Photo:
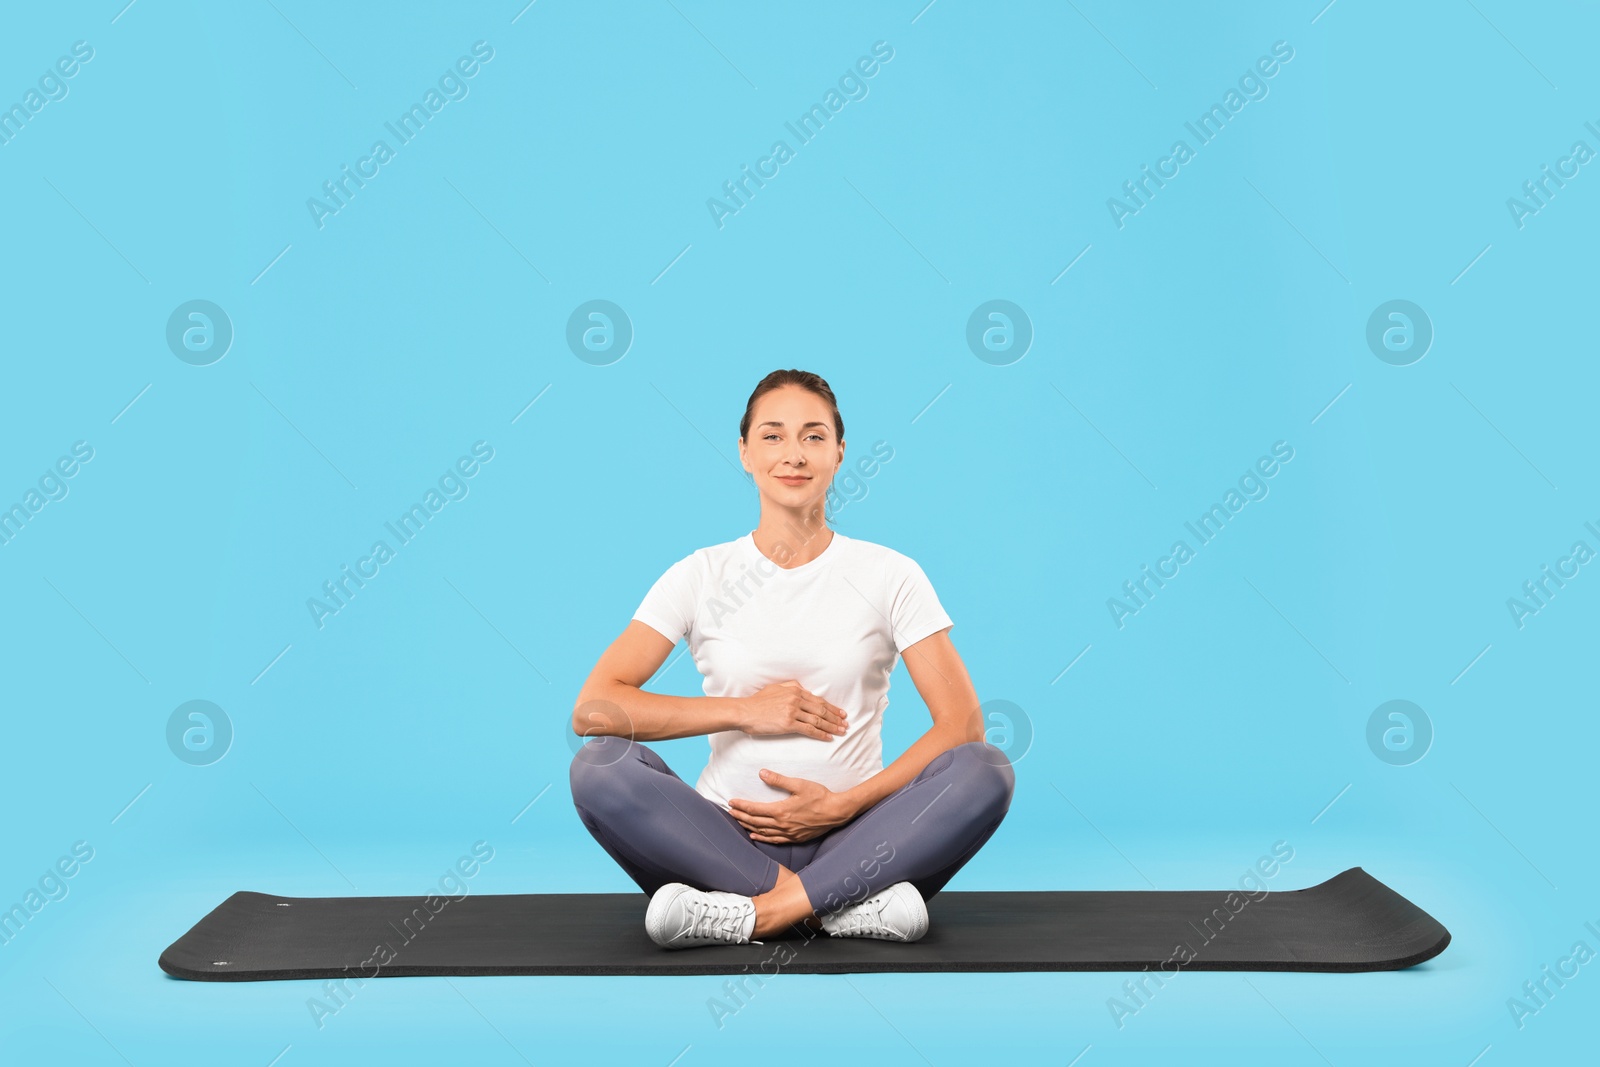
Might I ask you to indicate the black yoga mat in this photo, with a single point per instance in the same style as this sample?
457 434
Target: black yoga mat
1351 922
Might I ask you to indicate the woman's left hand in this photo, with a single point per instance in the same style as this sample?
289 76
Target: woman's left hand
811 810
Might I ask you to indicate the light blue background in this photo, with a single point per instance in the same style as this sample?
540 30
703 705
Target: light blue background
371 353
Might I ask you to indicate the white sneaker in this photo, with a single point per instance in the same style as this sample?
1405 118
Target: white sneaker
681 916
896 914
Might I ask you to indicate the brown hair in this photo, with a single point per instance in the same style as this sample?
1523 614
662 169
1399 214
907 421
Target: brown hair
805 380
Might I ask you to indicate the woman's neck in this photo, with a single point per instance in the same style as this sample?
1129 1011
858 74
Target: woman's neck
791 540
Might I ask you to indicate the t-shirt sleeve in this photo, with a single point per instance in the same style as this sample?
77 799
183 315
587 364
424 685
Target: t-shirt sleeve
914 608
668 608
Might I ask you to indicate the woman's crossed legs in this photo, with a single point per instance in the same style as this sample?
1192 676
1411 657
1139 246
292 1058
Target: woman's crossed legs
659 829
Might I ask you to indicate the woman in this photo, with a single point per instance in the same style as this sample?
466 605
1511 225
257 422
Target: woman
796 629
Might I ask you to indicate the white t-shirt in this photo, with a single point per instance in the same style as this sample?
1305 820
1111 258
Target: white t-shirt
837 625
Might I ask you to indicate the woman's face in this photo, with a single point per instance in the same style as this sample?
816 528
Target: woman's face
792 451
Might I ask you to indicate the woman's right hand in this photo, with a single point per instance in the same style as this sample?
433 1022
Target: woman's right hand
788 708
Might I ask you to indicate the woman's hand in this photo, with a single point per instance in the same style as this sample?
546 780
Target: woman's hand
787 708
811 810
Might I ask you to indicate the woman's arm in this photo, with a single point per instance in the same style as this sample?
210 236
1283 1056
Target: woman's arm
941 679
611 702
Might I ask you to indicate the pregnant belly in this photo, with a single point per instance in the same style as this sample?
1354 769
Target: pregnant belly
735 768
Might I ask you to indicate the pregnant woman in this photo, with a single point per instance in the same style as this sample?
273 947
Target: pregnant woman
796 628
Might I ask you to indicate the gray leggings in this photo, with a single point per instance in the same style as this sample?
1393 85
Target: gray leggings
660 829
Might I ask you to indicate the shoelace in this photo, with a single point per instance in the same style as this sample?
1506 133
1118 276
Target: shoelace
866 915
720 922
